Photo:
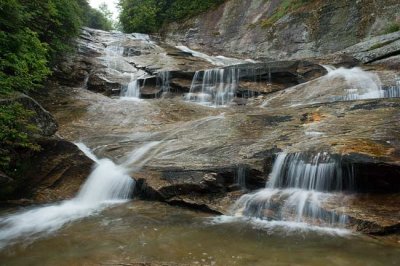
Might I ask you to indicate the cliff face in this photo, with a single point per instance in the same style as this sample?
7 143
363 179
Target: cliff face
284 29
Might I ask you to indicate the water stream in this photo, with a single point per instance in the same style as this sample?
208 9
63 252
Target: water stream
339 84
214 87
108 184
294 195
100 225
137 233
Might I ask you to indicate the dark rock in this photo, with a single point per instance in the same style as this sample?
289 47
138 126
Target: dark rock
56 172
240 101
392 62
7 185
99 83
45 122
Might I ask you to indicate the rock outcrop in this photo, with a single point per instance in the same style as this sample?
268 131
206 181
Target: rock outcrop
41 118
203 154
278 29
55 172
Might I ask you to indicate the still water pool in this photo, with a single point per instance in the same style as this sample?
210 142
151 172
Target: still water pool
148 233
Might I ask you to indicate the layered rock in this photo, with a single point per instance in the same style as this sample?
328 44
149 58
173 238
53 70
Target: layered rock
55 172
202 151
280 30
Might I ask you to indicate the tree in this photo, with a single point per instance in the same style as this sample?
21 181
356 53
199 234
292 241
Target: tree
100 18
33 35
148 16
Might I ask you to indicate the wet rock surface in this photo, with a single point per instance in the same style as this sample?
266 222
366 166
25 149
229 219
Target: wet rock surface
201 151
202 148
57 171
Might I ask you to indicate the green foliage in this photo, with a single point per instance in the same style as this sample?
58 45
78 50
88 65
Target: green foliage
393 27
285 7
98 18
181 9
15 131
379 45
140 16
148 16
23 57
33 35
56 22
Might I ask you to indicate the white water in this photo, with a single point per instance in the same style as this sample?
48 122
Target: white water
298 186
339 84
163 81
362 84
107 184
240 177
214 87
141 37
132 90
215 60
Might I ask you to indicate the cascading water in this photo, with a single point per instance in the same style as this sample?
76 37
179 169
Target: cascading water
214 87
394 90
361 84
240 177
339 84
163 81
298 186
107 184
132 89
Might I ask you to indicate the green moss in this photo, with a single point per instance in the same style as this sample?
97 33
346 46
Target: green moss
286 7
379 45
393 27
251 26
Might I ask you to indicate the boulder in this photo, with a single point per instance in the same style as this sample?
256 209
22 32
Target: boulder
98 82
55 173
44 121
375 48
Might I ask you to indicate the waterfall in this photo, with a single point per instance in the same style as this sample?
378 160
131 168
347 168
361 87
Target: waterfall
107 184
394 90
240 177
163 81
214 87
297 188
328 68
132 89
362 84
339 84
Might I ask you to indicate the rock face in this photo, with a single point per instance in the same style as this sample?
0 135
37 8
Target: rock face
55 172
376 48
277 29
206 158
44 121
